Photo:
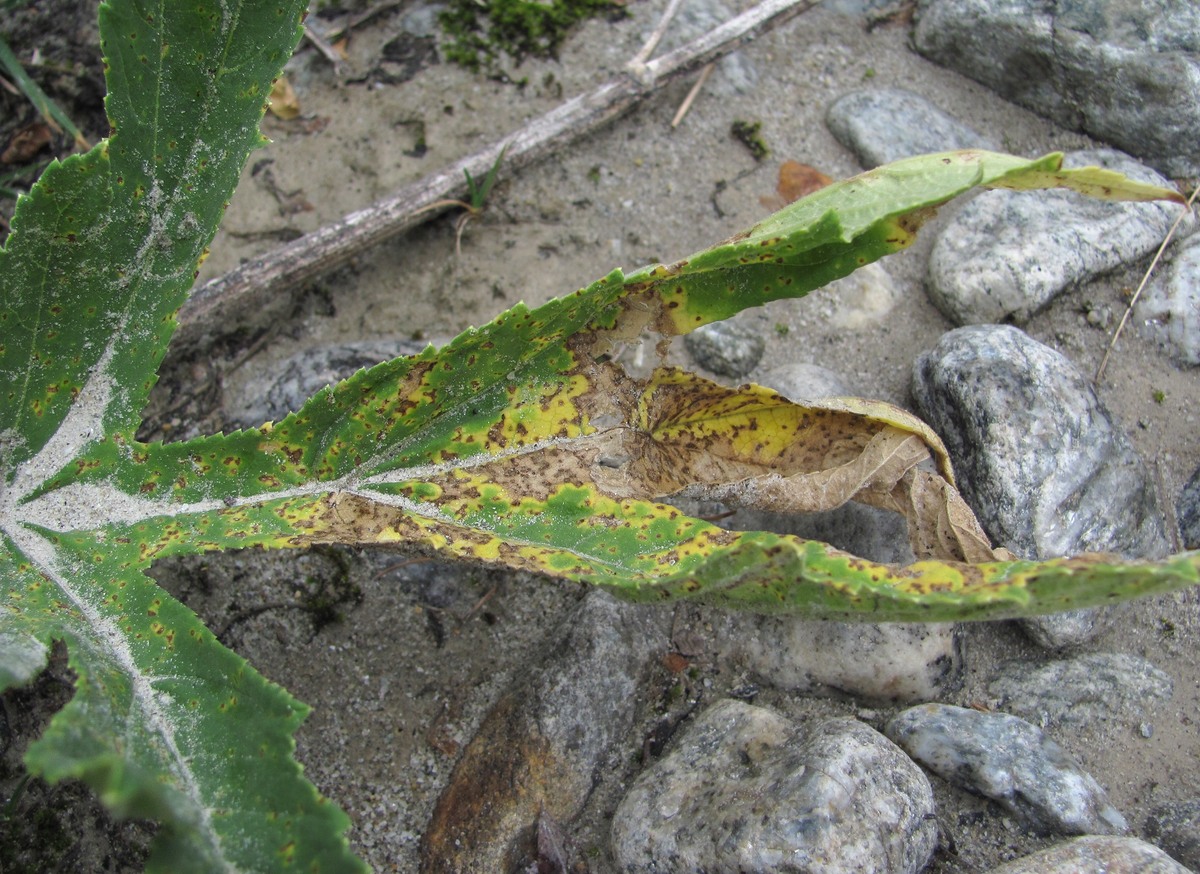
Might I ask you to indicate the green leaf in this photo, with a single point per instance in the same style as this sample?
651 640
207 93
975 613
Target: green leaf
165 722
521 444
847 225
104 249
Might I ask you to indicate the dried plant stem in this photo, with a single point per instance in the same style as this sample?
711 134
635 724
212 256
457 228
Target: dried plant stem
323 46
1112 344
224 300
660 30
691 95
362 17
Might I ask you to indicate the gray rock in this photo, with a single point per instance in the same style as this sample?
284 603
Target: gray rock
1171 308
1176 828
272 395
1095 853
864 298
1187 512
730 348
735 73
1069 630
884 663
1124 71
1037 455
746 790
1038 458
541 746
881 125
1006 254
805 382
1010 761
1096 688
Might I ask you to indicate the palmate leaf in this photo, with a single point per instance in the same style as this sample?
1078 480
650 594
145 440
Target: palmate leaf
165 722
520 443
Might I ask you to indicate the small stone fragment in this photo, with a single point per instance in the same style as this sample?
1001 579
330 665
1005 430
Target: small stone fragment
866 297
1007 759
1091 688
1005 255
1095 853
805 382
537 751
1171 308
747 790
730 348
1069 630
881 125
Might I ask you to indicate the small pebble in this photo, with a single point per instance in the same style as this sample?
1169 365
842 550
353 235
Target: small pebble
1007 759
861 300
731 348
881 125
747 790
805 382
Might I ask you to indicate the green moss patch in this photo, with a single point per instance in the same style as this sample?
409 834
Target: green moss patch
481 33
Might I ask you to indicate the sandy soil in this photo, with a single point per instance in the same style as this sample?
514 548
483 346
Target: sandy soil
399 685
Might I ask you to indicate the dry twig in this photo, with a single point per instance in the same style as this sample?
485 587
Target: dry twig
1112 344
326 49
691 95
220 301
637 66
